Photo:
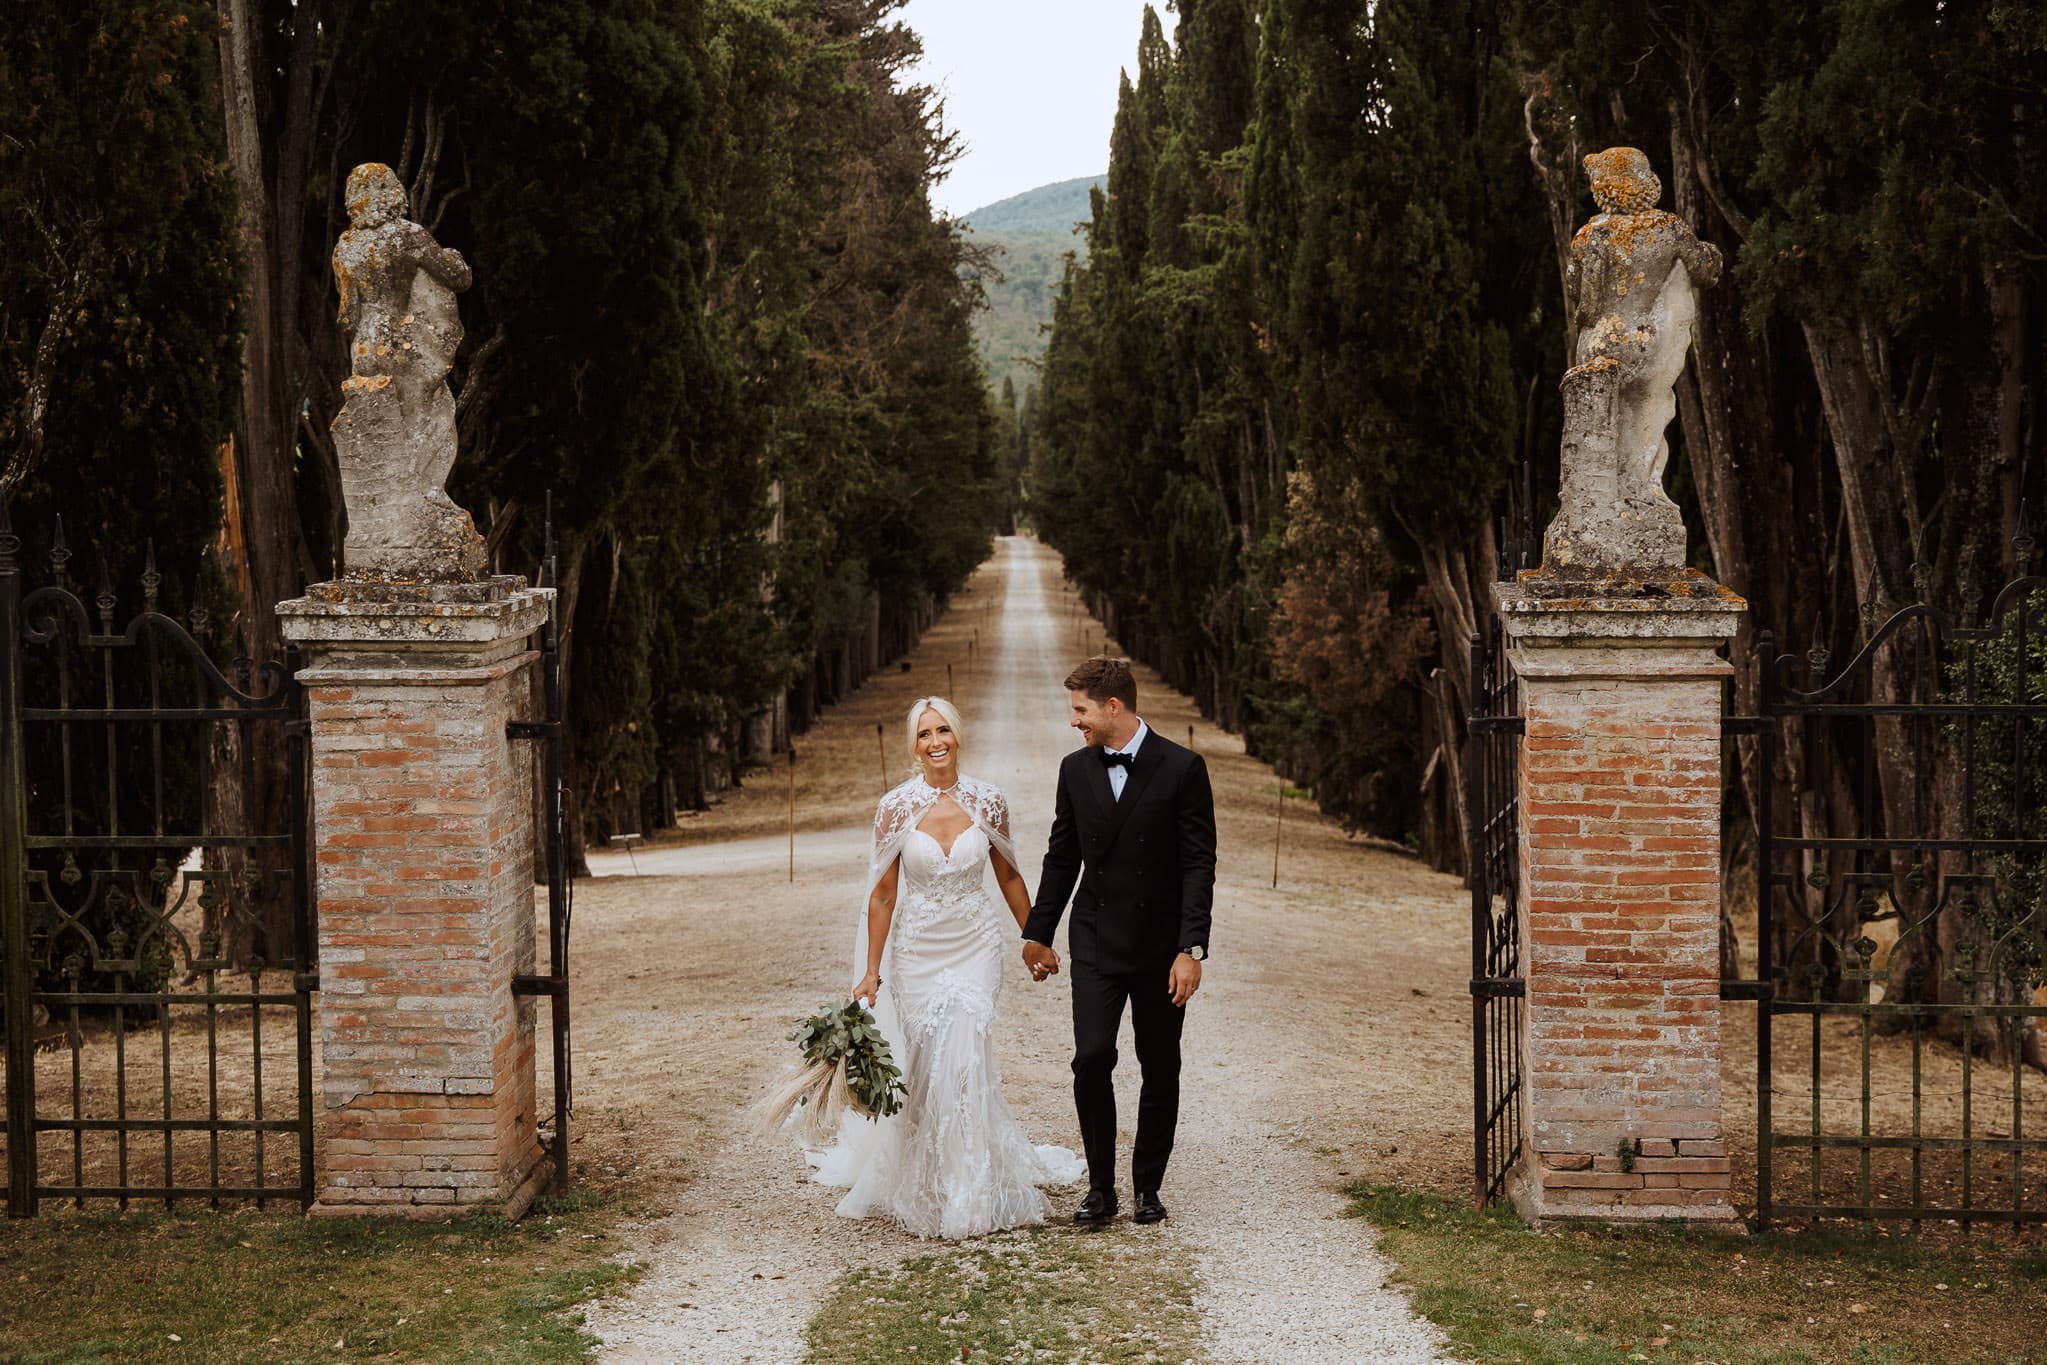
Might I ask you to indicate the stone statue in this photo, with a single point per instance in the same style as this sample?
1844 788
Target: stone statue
395 435
1631 279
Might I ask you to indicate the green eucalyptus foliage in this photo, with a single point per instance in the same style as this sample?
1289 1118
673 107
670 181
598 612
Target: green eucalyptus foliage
848 1037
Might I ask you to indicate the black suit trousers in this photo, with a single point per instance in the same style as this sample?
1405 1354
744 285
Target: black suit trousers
1098 1000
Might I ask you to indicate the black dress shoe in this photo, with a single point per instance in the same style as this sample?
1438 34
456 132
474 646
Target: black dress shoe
1098 1208
1149 1209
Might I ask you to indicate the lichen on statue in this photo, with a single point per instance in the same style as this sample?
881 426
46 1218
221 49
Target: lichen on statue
1631 279
395 436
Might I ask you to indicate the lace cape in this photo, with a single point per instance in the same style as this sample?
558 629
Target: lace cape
900 812
905 806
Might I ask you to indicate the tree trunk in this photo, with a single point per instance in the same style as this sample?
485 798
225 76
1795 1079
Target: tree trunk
2010 337
1758 483
568 593
253 788
1451 854
1459 578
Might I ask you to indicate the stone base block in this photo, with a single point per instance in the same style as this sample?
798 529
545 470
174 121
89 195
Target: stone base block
1552 1188
336 1202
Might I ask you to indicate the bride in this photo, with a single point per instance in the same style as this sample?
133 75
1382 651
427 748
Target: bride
953 1162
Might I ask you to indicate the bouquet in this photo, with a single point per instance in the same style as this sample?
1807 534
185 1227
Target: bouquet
846 1067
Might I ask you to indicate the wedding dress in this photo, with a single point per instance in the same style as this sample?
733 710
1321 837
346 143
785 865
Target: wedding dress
954 1162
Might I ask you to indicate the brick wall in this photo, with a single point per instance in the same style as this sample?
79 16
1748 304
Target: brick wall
422 813
1620 876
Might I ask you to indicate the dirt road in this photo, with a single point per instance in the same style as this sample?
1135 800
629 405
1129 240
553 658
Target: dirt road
1328 1041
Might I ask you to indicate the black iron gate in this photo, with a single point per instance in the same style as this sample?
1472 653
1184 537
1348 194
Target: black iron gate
1492 815
554 839
156 956
1493 812
1902 934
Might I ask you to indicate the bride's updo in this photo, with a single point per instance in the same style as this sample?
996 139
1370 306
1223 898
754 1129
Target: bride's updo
943 708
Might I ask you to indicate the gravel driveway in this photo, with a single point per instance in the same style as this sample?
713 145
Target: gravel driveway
1328 1042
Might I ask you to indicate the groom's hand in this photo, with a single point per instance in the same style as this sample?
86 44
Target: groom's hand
1040 958
1185 979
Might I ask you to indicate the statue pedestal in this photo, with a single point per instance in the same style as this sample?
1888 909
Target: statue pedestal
423 812
1620 886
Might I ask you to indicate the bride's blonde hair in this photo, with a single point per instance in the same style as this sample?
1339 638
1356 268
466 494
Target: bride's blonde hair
945 709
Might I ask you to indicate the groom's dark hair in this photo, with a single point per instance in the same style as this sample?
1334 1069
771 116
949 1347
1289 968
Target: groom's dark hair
1102 678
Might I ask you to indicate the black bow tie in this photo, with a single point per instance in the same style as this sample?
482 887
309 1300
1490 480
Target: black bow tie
1114 760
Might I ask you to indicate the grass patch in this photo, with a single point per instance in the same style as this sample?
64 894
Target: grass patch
1502 1292
248 1285
1045 1295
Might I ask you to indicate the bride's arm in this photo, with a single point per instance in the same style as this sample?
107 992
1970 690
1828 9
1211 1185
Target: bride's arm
1014 892
881 912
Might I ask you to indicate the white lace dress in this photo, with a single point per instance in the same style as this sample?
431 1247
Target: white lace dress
954 1162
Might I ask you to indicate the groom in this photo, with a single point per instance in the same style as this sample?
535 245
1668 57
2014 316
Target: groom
1134 825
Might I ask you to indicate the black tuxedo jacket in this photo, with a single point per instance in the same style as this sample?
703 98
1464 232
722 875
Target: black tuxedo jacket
1144 865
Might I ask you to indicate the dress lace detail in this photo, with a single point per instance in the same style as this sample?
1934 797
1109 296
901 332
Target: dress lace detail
954 1162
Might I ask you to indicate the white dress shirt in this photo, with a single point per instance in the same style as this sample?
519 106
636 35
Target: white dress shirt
1119 774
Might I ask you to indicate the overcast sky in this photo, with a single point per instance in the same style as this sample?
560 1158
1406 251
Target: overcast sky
1031 88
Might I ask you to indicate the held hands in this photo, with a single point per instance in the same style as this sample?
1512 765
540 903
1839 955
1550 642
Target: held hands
1040 958
1184 980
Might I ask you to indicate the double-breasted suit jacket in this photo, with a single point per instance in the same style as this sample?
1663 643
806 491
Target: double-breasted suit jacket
1140 870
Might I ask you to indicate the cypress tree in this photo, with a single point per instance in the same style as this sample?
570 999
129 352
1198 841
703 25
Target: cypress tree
118 376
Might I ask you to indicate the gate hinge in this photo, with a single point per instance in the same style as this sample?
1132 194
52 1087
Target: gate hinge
1509 725
1746 725
1506 987
298 727
532 729
540 985
1748 990
305 982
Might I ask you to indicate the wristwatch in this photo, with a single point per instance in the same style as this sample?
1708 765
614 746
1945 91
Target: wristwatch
1199 952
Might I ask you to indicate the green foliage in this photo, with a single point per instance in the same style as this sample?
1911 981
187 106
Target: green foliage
118 379
1500 1290
2007 761
592 375
118 279
843 303
1329 246
1863 435
847 1036
1311 257
714 317
1029 237
1149 470
1897 164
1021 286
276 1286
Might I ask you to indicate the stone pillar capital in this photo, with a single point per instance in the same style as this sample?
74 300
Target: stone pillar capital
347 626
1657 618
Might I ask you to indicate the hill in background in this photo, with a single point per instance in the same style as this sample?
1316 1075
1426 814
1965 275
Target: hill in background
1048 208
1031 233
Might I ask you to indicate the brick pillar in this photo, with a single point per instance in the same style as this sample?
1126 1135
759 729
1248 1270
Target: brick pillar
1620 899
423 830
